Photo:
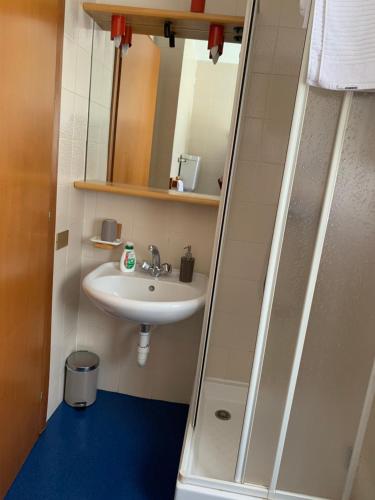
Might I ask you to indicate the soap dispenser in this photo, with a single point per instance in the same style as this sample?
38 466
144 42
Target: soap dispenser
187 266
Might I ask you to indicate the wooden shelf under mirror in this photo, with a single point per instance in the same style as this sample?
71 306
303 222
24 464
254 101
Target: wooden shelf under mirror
148 192
151 21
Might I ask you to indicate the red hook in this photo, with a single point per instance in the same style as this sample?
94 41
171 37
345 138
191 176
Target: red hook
216 41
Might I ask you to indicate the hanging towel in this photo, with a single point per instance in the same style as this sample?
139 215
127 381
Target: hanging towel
342 52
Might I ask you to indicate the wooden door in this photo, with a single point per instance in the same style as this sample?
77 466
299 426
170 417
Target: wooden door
30 49
136 112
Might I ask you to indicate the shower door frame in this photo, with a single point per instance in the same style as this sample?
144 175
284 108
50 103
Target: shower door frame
239 487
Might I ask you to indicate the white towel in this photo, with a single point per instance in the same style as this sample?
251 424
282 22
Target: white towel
342 52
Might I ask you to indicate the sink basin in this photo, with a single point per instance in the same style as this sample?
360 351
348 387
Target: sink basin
142 298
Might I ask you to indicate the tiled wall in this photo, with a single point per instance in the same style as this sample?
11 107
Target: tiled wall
276 59
69 207
172 362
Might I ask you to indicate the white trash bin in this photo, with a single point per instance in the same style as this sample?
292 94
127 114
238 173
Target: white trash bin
81 378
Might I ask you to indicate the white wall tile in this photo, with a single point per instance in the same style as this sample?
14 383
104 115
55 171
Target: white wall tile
289 47
69 204
269 12
275 138
251 222
239 365
291 14
258 89
78 161
81 109
82 83
69 64
67 114
251 139
83 30
245 260
264 48
236 295
275 64
217 363
257 182
281 97
235 330
62 201
64 161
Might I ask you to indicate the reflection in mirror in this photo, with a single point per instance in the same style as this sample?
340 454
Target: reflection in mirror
160 117
102 71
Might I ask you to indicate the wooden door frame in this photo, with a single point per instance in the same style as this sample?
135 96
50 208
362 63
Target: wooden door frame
52 219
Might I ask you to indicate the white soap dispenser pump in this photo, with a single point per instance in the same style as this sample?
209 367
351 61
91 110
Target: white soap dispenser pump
128 259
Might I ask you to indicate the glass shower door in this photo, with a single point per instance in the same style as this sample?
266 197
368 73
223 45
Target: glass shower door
335 378
300 234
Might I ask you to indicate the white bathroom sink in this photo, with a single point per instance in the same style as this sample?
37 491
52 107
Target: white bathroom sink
142 298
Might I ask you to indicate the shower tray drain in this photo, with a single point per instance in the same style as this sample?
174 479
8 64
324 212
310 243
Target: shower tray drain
223 415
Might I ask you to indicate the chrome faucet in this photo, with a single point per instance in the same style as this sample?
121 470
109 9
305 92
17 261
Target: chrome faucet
154 268
155 256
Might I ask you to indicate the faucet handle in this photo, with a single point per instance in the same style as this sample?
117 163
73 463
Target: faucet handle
145 266
166 268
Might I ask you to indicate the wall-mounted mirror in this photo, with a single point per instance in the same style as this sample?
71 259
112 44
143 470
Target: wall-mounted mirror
160 115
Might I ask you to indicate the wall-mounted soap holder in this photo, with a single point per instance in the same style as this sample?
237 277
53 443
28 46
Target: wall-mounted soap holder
105 245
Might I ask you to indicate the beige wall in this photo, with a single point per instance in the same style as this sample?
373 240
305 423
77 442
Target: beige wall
171 367
276 58
215 87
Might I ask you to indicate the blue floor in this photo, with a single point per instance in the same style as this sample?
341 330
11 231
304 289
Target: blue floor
122 447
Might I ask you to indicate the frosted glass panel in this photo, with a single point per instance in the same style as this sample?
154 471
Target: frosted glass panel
364 484
303 218
340 343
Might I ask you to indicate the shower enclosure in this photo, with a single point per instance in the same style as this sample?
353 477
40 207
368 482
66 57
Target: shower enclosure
284 397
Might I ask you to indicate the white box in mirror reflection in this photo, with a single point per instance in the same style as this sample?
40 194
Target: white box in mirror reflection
188 171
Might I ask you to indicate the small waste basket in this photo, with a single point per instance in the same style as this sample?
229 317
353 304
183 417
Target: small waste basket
81 377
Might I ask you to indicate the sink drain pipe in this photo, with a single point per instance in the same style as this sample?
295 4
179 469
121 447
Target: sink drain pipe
144 344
